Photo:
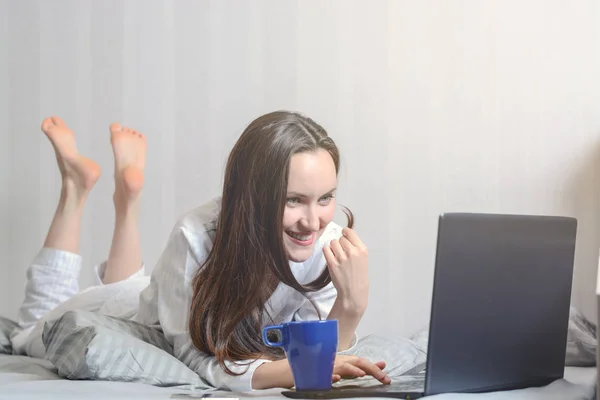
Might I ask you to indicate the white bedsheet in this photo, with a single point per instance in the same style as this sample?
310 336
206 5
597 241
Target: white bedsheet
27 378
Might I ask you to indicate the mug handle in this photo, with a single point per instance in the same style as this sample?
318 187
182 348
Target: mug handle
272 328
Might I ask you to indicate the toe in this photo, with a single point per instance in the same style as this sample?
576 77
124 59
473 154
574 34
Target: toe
47 124
115 127
58 121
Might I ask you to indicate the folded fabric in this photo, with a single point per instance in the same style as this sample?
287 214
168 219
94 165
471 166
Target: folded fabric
87 345
581 341
402 356
6 328
405 359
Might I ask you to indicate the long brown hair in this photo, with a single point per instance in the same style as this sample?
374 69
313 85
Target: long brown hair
248 259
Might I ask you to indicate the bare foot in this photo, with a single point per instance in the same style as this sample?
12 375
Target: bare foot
129 147
77 171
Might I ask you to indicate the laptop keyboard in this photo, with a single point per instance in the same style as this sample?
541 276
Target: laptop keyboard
410 383
409 386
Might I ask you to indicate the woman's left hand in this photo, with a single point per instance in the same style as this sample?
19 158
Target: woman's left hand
348 263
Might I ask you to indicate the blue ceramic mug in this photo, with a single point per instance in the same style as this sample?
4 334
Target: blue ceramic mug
310 347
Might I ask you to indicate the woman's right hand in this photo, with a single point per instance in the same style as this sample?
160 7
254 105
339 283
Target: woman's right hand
350 367
278 374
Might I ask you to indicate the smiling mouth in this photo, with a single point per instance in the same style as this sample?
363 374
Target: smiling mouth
301 239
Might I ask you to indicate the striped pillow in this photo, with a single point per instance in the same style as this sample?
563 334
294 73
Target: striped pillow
86 345
6 328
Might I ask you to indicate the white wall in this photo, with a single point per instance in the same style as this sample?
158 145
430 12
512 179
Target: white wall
5 140
437 106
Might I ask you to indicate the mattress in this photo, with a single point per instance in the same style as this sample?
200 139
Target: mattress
28 378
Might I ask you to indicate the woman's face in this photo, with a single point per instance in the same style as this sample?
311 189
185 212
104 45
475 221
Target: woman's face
310 204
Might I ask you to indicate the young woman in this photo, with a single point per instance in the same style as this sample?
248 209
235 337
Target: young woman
265 252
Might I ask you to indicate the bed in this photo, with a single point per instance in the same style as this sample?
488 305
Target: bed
92 356
23 377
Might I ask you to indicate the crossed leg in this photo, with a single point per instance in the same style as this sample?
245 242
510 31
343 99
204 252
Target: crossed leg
52 278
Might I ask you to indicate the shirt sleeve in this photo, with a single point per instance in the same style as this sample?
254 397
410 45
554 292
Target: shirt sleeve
167 301
323 300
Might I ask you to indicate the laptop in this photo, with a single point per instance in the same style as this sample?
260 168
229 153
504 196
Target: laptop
499 310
